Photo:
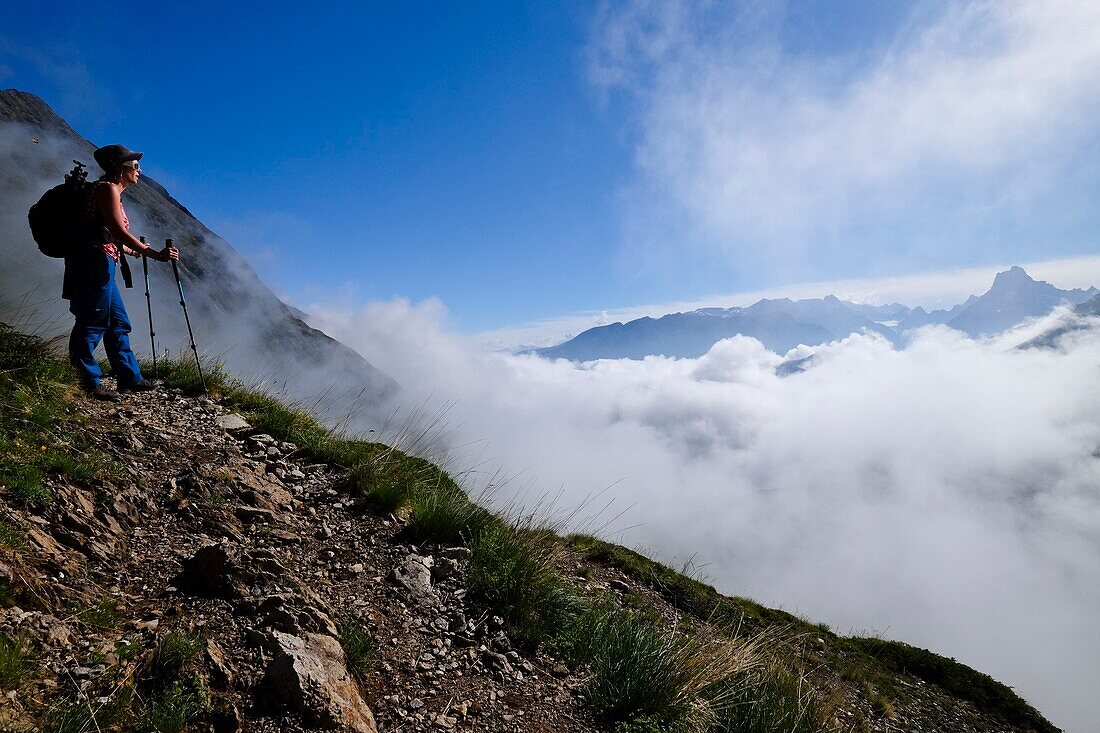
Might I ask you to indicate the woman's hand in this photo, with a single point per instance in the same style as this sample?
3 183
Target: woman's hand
168 254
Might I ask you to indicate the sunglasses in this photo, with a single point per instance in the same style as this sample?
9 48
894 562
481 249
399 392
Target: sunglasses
132 164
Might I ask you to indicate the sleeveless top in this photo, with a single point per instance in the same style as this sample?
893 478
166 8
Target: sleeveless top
87 269
91 209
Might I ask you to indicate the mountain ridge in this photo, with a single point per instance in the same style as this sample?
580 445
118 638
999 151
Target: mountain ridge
1012 298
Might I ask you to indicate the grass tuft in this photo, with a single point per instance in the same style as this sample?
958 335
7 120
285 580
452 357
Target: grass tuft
387 494
636 670
514 570
360 649
40 433
16 665
447 516
645 675
23 483
11 536
173 708
174 650
182 374
86 714
103 616
770 698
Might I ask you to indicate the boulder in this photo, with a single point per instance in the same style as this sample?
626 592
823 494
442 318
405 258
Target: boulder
233 423
414 575
309 675
260 492
217 664
209 571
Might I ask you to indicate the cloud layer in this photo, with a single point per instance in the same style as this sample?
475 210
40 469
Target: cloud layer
969 132
944 495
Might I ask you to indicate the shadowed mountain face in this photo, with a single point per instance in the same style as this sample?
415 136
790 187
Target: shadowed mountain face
237 320
1014 297
685 335
1085 316
780 325
920 317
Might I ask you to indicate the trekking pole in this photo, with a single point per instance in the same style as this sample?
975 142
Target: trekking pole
183 302
149 304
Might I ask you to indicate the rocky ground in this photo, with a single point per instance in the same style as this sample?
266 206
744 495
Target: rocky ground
225 536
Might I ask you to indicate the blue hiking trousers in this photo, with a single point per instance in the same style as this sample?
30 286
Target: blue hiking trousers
100 316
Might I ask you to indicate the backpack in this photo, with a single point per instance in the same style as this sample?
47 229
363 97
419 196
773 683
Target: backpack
58 222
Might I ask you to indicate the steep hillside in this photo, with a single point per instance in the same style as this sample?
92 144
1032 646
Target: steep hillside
223 563
237 319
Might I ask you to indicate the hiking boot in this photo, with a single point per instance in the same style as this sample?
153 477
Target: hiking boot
103 392
144 385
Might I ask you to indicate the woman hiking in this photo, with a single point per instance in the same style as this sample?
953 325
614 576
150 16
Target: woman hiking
90 288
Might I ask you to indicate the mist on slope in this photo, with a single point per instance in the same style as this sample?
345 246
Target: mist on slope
946 494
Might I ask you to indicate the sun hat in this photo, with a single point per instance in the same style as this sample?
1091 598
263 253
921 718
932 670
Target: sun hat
112 156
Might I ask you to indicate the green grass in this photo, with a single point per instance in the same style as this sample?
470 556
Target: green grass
699 599
86 714
360 650
23 484
41 431
172 708
768 699
447 516
174 650
103 616
987 694
181 373
636 671
16 664
386 493
514 570
12 537
645 674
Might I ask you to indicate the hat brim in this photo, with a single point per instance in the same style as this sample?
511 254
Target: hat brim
132 156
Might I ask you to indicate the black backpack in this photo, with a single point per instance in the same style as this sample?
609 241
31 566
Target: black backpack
58 222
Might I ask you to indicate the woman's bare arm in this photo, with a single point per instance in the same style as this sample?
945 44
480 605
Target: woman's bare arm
110 207
109 202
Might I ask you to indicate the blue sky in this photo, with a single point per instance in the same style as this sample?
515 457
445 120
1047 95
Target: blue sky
522 161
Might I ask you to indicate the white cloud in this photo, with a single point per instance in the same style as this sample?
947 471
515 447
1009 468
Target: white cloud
970 131
945 494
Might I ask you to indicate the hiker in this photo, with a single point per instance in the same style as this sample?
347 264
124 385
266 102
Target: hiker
90 288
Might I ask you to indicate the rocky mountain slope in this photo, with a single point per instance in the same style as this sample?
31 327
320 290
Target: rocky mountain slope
183 562
237 319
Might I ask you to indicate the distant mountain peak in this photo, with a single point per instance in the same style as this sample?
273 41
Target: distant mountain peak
1013 276
1014 297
